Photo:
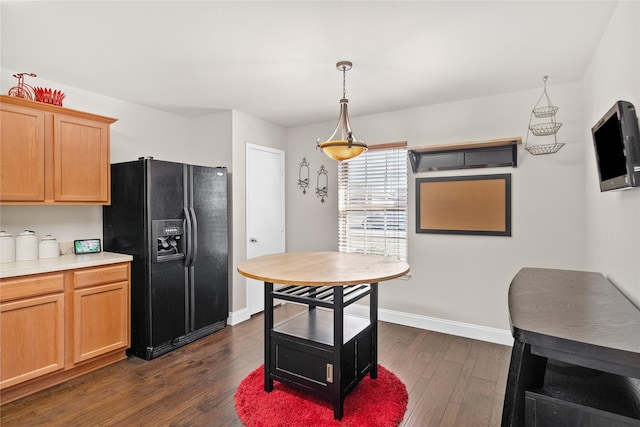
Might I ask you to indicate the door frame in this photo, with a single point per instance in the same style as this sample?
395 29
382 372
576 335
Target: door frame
281 153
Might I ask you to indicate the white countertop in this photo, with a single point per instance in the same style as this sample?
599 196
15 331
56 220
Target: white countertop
63 262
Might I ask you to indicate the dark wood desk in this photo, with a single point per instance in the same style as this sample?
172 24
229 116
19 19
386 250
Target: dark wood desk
575 334
325 352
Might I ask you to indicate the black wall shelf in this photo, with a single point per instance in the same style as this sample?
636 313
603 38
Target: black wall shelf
466 155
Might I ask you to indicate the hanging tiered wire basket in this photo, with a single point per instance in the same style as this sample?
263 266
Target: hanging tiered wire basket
546 128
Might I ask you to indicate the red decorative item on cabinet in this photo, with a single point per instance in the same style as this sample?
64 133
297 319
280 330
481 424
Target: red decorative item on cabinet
49 96
23 90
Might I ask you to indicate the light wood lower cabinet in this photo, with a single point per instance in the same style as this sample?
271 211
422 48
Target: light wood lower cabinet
56 326
101 312
32 340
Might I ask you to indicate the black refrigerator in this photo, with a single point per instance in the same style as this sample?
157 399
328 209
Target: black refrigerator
173 219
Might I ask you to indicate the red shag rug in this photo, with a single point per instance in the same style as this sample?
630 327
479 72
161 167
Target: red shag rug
372 403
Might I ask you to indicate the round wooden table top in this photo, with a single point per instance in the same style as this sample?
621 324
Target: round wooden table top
322 268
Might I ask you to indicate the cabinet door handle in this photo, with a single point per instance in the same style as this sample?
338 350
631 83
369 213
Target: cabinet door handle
329 373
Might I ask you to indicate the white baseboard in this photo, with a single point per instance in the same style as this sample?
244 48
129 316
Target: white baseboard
467 330
239 316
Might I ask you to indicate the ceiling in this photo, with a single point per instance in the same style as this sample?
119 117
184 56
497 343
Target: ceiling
276 60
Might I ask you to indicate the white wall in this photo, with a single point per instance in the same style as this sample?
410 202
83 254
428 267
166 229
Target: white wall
560 219
246 130
139 131
613 218
217 139
311 224
463 278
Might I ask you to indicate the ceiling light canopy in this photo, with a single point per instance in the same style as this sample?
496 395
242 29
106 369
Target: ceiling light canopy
342 145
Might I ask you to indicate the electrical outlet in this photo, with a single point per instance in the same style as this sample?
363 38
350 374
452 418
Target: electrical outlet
66 248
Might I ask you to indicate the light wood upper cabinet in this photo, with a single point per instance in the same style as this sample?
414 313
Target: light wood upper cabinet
53 155
80 160
22 153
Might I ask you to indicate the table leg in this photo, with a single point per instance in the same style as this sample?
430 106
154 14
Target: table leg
373 318
268 326
526 371
338 335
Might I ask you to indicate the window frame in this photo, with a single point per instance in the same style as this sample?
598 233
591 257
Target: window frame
373 198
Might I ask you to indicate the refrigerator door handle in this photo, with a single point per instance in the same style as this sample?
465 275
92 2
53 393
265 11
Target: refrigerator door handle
187 257
194 235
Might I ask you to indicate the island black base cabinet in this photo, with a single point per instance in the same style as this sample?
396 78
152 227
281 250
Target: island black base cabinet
322 351
307 361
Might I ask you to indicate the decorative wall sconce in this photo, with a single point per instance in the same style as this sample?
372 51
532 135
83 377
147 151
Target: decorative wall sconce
322 183
303 175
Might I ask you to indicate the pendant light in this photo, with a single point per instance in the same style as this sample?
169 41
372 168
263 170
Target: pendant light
342 145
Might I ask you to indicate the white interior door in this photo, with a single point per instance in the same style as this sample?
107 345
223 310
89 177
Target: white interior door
265 212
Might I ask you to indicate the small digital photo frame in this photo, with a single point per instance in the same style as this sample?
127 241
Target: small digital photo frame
86 246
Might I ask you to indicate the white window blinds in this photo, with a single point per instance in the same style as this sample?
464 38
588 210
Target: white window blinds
372 202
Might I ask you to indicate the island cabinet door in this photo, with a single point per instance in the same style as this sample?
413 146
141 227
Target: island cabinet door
81 160
101 311
32 342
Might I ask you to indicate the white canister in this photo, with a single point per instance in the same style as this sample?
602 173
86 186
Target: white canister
7 247
49 247
26 246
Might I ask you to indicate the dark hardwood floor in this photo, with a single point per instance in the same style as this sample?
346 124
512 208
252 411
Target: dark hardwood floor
452 381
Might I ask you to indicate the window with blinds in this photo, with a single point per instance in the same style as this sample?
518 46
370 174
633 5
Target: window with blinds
372 202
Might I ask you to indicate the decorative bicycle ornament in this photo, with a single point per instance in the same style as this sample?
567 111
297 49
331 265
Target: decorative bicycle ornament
547 128
39 94
23 90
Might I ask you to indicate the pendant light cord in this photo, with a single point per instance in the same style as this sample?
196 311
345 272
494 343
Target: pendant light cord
344 81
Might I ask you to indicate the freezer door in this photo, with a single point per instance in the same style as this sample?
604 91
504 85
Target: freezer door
167 289
210 259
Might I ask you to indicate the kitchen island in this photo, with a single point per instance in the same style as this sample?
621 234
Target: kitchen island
61 318
323 351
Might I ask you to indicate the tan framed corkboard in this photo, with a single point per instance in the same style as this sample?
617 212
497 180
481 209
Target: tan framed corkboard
478 204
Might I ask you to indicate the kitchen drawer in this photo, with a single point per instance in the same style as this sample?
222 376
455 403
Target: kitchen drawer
31 286
101 275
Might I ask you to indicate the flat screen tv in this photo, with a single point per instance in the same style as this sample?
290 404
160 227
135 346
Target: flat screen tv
616 140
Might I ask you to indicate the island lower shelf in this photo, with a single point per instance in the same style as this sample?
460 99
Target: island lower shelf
317 326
